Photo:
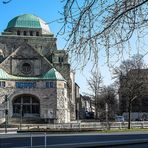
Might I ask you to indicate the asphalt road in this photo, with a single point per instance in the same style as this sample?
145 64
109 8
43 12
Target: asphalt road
73 140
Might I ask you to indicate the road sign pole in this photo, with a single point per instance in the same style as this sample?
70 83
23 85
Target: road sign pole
30 140
45 140
6 114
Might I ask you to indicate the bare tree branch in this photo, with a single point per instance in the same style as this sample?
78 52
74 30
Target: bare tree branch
93 25
6 2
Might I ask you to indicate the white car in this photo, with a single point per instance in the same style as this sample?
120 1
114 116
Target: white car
119 118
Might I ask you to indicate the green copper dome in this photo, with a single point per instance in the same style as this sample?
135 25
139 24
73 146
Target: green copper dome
53 74
28 21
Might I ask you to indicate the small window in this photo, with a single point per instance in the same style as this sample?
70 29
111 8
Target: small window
31 33
37 33
49 85
18 32
25 33
61 59
2 84
50 58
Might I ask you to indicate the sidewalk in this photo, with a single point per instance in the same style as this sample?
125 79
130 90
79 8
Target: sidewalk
9 130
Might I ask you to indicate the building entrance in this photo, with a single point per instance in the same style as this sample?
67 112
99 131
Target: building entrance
26 106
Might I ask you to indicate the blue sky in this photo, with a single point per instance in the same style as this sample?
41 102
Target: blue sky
49 10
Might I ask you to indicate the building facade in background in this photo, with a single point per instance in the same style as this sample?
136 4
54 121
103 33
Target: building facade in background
35 77
134 88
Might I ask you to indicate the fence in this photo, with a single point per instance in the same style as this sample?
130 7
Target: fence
80 126
87 125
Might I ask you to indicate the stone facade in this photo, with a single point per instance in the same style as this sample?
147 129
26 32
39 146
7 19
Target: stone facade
34 74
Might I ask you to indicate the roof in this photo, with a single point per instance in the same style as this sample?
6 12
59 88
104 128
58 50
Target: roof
52 74
28 21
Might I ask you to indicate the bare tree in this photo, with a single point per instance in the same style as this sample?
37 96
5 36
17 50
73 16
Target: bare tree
102 95
107 103
94 25
136 62
131 89
130 83
94 84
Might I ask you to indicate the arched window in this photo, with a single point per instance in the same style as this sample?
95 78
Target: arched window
18 32
37 33
26 105
31 33
25 33
61 59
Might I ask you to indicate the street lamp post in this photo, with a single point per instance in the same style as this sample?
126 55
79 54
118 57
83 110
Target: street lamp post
21 116
107 121
78 114
6 113
129 111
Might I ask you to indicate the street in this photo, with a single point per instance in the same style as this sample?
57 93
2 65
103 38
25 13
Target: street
75 140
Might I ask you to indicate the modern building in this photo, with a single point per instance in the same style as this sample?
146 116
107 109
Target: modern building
35 77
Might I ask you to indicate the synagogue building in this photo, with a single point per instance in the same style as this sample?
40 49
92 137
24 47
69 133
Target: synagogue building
35 77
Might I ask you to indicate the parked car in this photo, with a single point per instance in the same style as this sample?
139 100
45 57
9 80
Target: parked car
119 119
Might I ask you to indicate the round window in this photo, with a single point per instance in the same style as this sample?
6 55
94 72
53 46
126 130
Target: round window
26 68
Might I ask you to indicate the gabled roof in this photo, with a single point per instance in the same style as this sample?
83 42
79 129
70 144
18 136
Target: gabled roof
52 74
25 51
